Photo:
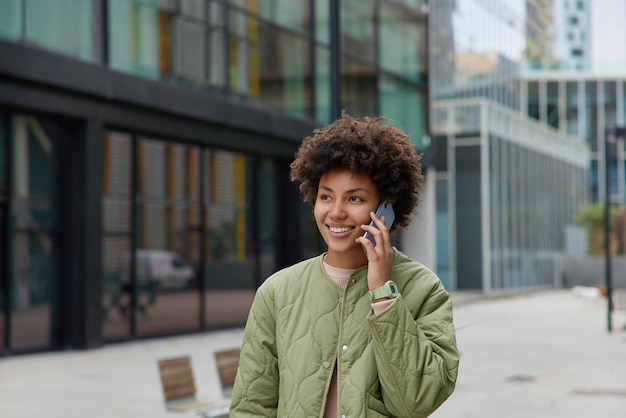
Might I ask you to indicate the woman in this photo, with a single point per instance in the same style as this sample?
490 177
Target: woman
361 330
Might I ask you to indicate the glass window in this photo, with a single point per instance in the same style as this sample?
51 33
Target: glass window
117 236
357 29
243 50
533 99
4 200
572 104
404 103
180 235
402 43
66 26
287 13
474 43
11 19
283 71
623 99
443 228
33 268
190 48
217 53
468 220
268 217
359 87
135 33
609 102
553 104
421 5
322 85
322 21
229 271
591 114
167 237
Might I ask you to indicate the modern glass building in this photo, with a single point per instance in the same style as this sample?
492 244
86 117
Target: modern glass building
506 185
506 190
145 149
587 106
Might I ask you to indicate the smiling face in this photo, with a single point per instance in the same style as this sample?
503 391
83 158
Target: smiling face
344 202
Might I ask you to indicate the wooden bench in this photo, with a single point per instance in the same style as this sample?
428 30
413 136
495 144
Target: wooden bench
227 363
179 387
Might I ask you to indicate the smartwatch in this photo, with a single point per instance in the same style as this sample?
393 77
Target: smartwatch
388 290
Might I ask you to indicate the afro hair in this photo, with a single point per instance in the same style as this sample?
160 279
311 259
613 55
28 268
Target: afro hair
370 145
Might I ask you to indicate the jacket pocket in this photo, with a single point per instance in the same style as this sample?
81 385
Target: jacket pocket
375 408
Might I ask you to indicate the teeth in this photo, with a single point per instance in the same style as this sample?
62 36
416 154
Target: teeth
339 230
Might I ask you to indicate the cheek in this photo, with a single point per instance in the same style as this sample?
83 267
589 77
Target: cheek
318 214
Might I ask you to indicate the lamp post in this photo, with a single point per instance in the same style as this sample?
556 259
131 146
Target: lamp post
611 134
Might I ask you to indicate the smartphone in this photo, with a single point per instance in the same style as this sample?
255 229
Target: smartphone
384 209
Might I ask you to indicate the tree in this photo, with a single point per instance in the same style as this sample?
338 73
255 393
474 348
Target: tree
592 217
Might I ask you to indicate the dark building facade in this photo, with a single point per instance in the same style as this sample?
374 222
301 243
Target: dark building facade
97 165
145 149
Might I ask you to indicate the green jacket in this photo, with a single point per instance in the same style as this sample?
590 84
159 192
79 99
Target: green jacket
402 362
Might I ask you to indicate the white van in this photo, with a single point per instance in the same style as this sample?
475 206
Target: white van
164 268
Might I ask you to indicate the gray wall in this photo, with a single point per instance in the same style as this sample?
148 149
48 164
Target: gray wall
590 271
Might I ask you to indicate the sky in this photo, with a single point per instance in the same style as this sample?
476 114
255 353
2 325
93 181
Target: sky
608 33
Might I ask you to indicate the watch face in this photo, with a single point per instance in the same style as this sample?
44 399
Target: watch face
393 288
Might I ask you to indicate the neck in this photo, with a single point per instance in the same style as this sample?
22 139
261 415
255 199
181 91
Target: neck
353 259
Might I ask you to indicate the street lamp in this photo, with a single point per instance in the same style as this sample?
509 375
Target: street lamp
611 134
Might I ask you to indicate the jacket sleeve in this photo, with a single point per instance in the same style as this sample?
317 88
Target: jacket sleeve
417 358
255 392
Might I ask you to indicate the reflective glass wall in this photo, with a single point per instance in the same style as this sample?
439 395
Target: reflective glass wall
585 107
186 236
273 52
476 49
4 216
507 188
29 222
69 27
188 229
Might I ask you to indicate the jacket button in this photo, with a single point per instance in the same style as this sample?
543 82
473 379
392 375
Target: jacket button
326 364
344 348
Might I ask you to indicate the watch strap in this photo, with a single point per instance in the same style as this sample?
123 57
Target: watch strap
388 290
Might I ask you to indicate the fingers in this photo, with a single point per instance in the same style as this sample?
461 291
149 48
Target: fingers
379 233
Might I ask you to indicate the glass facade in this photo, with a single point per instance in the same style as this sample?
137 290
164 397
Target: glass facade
66 26
276 53
513 187
584 106
199 243
476 49
30 222
506 186
187 220
4 212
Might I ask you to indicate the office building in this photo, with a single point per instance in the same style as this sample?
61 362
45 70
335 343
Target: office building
506 184
145 149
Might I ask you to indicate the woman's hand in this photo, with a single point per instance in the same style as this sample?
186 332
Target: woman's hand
380 257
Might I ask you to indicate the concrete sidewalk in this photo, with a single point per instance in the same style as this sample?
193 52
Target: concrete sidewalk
544 354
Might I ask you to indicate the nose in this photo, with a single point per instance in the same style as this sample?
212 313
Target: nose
337 211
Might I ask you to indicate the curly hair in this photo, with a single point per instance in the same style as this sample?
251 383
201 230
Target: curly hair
372 146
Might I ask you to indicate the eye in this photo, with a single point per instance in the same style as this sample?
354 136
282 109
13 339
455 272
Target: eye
323 197
355 199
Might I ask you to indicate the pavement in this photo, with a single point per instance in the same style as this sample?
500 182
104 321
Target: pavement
540 354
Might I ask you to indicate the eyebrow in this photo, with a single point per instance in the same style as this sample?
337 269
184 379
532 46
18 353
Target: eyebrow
358 189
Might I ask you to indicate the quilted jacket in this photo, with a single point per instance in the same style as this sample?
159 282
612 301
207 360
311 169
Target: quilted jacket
402 362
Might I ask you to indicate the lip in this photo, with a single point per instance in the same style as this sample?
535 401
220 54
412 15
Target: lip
340 230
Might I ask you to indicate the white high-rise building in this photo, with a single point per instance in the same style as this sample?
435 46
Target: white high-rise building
572 35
